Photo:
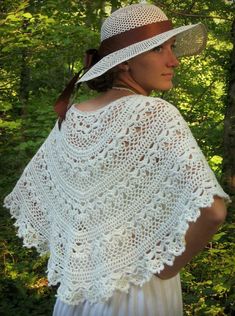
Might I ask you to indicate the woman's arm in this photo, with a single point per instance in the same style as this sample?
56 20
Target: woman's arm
198 235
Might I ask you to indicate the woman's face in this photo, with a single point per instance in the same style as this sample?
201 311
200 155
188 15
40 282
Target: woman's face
154 70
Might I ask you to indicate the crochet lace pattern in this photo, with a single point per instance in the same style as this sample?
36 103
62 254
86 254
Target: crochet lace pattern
125 19
110 196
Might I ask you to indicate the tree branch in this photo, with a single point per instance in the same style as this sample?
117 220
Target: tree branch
183 14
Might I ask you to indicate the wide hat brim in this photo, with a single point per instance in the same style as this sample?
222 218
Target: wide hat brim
190 40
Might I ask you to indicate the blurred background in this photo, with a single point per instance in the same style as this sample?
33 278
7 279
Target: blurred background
42 44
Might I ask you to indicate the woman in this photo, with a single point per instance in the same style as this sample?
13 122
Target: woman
119 193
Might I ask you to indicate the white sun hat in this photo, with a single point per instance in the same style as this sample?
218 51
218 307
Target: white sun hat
138 28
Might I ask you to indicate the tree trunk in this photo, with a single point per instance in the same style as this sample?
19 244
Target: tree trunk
24 82
24 75
229 129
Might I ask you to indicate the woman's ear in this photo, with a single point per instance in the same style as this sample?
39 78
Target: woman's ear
123 66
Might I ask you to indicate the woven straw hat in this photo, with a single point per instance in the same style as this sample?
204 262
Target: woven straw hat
138 28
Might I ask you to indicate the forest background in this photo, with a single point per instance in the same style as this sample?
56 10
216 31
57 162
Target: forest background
42 46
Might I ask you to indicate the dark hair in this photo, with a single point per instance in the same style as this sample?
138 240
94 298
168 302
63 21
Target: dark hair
103 82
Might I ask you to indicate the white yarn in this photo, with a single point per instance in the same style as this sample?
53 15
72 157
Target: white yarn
110 196
127 18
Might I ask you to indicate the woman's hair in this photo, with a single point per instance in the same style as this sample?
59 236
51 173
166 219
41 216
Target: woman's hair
104 82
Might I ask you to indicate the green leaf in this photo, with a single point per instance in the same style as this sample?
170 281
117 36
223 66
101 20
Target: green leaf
218 236
12 17
27 15
6 49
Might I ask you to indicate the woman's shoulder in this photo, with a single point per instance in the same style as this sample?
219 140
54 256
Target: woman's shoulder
157 107
155 102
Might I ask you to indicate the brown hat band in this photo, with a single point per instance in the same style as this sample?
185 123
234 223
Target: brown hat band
138 34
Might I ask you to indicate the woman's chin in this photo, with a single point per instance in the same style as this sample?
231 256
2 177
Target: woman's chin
165 87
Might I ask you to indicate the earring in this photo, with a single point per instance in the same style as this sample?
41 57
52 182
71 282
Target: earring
127 68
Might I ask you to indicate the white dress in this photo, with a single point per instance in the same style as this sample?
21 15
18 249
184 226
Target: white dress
155 298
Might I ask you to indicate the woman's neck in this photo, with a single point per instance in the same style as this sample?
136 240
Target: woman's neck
129 83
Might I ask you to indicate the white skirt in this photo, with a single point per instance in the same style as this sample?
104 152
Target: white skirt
155 298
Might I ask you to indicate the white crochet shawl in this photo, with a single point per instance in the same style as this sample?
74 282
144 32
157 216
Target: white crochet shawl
110 196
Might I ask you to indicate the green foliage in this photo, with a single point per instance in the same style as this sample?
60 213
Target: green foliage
209 281
42 44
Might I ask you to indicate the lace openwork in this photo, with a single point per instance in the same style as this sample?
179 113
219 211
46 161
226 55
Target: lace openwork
110 196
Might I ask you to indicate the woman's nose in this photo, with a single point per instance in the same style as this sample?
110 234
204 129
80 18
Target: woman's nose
172 60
